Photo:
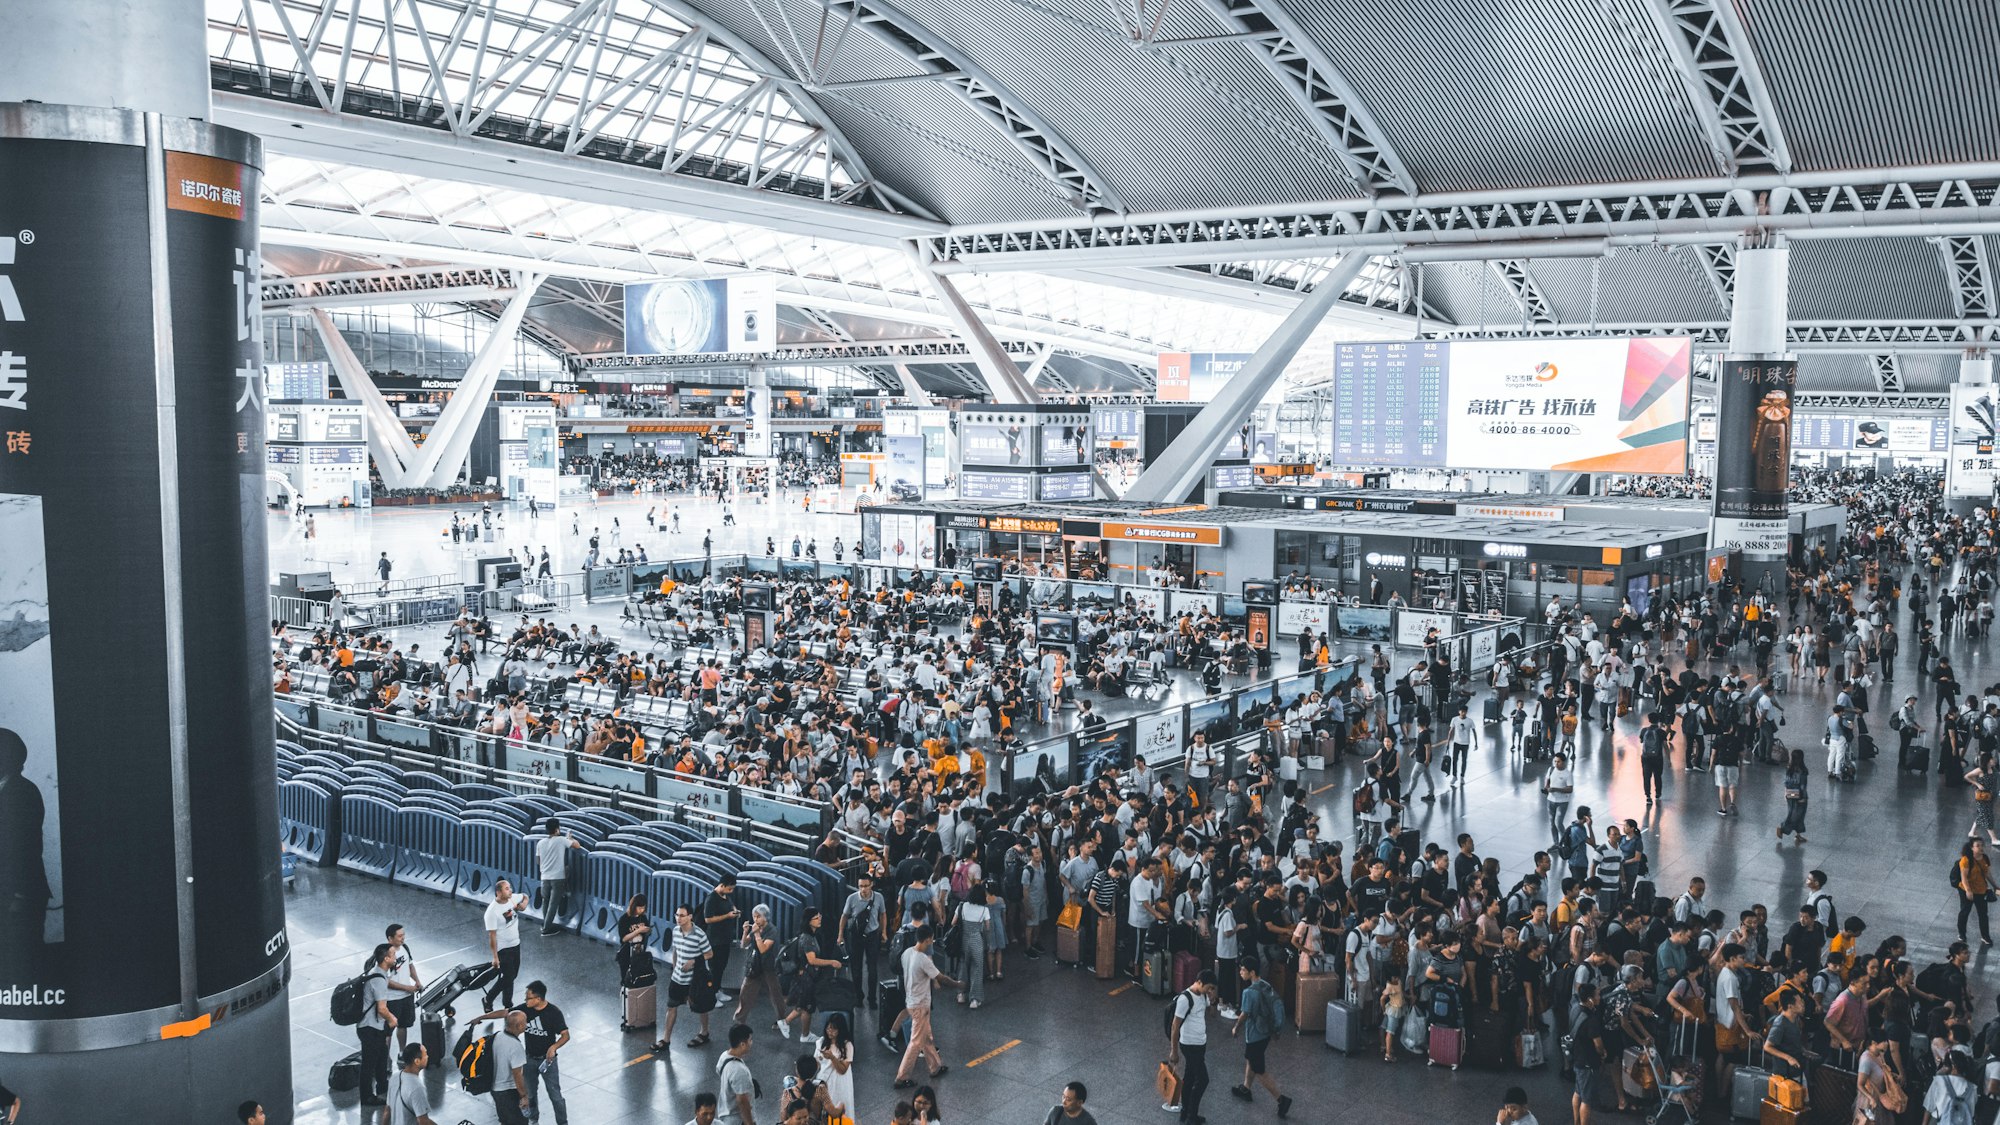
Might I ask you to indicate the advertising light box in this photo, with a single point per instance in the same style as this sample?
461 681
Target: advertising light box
711 317
1604 405
993 486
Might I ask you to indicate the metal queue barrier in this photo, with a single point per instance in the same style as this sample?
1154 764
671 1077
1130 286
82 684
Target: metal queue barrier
392 812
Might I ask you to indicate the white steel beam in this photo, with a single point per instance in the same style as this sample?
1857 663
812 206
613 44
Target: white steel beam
447 284
912 389
1888 372
1003 379
1067 173
1513 273
388 442
1725 85
1523 223
450 438
1970 272
1858 337
1172 475
1316 87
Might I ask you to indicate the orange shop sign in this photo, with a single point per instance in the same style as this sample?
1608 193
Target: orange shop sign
1164 533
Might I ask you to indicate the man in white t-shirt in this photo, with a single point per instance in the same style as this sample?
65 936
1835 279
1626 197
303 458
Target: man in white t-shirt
1461 747
1201 762
1144 909
552 864
920 973
503 941
1187 1040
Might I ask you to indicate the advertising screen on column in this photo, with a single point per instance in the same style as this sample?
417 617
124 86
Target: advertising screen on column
1592 406
1196 376
737 314
1835 433
1971 465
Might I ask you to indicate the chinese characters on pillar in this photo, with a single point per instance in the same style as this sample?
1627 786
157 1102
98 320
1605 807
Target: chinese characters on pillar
13 365
244 277
1529 408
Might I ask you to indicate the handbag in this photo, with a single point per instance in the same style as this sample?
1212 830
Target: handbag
1787 1092
1070 917
1168 1083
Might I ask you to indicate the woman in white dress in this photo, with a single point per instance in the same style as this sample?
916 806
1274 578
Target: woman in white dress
835 1051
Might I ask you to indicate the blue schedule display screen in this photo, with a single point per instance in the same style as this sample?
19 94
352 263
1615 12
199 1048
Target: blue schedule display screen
1389 403
1067 486
993 486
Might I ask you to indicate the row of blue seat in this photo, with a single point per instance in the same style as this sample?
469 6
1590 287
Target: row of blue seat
414 828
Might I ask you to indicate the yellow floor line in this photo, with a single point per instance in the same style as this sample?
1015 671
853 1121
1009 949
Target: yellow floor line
647 1057
1123 987
995 1052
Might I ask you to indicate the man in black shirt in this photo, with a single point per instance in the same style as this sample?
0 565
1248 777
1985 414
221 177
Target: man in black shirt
546 1033
720 918
1805 940
1586 1054
1370 896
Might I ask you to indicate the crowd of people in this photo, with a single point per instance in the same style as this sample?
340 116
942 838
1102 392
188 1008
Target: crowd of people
1224 890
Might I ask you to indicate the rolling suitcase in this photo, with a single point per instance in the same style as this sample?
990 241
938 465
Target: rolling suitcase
1069 945
1447 1046
1832 1091
1156 974
1491 714
1186 968
1313 999
1746 1092
431 1024
640 1004
1487 1045
1107 947
1343 1028
345 1074
889 1005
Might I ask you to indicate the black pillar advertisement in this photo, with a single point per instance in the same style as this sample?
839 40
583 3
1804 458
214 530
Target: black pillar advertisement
88 910
1753 454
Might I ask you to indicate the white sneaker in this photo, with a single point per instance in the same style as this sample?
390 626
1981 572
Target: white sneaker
1171 1107
1227 1012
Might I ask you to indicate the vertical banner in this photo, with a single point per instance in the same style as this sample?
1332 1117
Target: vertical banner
91 951
1970 464
1257 621
1753 453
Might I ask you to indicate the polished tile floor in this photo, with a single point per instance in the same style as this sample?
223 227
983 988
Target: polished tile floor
1885 840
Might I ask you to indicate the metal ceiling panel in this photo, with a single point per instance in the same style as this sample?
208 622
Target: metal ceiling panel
1194 125
1866 83
1479 94
1468 293
1649 283
1868 279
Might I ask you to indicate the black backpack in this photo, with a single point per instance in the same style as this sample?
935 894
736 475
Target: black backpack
475 1063
349 1002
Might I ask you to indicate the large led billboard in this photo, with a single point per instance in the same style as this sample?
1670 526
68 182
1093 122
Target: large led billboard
1617 405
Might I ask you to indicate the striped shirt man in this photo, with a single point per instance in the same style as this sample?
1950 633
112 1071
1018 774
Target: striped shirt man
690 948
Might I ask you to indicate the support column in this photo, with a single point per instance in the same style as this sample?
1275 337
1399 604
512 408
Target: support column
1753 448
912 390
1173 473
388 442
1038 364
1003 376
443 453
1975 370
144 966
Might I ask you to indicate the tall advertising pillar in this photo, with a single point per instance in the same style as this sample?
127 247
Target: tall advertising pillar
143 957
1753 456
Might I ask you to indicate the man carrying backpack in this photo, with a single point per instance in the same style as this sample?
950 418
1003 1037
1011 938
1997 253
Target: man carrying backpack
1187 1038
511 1097
1263 1014
377 1021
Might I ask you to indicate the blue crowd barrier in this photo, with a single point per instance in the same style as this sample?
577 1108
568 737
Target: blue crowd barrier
379 769
610 879
490 852
309 820
832 887
505 810
652 858
435 801
675 886
332 758
785 901
479 791
428 845
423 779
806 887
368 834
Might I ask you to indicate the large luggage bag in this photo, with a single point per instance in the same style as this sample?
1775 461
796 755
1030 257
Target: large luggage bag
345 1074
889 1005
1107 947
1487 1044
1491 714
1343 1028
1313 999
1830 1092
1447 1046
431 1027
1746 1092
641 1004
1156 973
1069 945
1186 968
1771 1113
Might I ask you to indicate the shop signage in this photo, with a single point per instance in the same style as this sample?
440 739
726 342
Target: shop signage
1655 550
1510 512
1021 525
1153 533
1382 561
1505 551
670 428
